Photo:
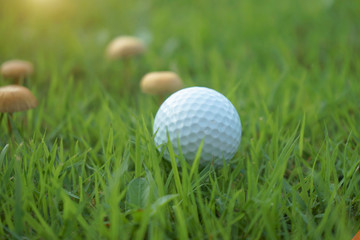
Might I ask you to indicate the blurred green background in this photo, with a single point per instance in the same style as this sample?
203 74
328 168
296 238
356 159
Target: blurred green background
247 44
291 69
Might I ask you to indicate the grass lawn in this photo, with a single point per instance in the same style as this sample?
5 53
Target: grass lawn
83 164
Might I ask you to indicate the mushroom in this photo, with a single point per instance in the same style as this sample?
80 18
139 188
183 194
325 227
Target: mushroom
17 70
161 83
125 47
15 98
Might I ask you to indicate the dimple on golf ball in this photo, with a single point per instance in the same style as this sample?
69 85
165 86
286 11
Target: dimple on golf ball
196 113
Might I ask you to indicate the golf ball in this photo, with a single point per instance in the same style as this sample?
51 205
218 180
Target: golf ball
193 114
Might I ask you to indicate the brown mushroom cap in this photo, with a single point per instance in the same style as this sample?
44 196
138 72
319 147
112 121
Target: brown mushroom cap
124 47
160 83
15 98
14 69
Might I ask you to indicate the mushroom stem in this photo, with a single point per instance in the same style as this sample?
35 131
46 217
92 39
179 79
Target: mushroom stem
17 81
126 73
161 99
9 123
21 81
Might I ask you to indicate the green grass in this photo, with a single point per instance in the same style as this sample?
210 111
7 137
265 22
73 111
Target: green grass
83 164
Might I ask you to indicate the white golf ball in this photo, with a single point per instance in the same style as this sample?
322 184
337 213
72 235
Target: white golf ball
196 113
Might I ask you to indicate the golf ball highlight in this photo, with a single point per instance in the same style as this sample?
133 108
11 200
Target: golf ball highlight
197 113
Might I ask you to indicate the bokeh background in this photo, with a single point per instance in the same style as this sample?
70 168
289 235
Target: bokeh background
285 65
257 53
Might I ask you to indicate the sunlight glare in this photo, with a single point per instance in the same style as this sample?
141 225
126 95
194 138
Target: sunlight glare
48 8
45 4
